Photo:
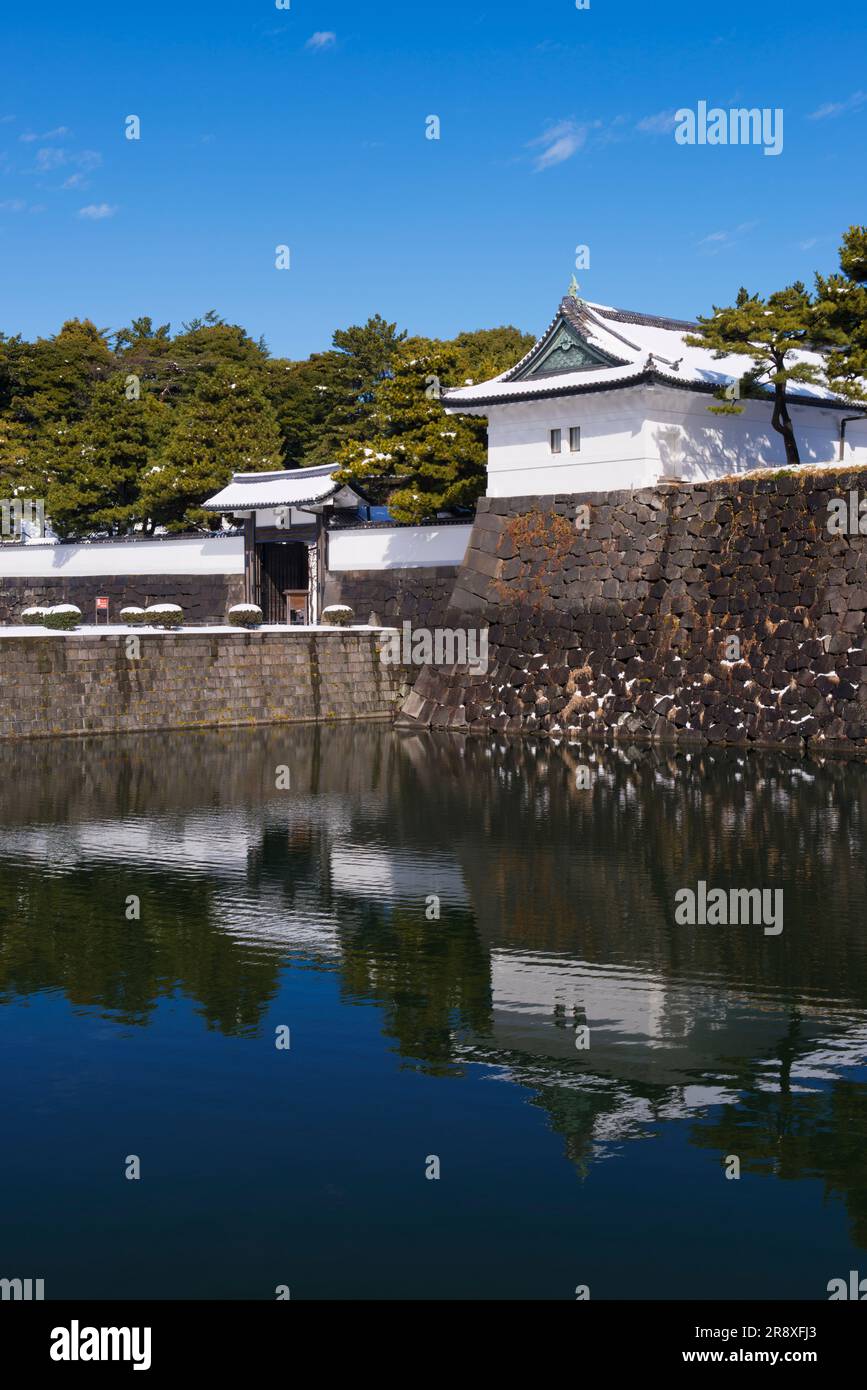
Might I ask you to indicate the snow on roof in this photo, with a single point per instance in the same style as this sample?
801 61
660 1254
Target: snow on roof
642 348
287 487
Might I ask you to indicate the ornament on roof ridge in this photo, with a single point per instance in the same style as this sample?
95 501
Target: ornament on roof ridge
574 287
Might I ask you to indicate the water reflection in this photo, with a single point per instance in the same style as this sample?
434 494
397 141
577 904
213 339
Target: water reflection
556 911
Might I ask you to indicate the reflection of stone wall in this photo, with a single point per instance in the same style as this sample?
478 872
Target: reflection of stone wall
89 684
619 631
418 595
203 597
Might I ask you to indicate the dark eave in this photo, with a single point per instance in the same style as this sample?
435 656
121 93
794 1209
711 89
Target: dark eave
641 378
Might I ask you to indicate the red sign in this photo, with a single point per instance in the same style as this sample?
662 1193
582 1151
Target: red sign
102 605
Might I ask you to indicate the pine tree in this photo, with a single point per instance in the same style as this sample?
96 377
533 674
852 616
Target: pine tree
360 360
839 322
769 332
439 461
54 378
96 467
225 426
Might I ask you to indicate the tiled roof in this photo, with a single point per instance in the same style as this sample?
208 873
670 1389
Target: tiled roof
288 487
642 348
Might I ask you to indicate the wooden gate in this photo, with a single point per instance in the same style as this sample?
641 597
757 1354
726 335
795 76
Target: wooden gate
282 566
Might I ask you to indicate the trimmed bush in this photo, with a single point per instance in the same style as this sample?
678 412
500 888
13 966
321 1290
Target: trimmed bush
245 615
337 615
133 617
63 617
33 617
168 615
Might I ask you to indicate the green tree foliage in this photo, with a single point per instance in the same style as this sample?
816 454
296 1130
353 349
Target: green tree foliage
839 322
769 332
95 469
361 359
437 460
132 429
225 425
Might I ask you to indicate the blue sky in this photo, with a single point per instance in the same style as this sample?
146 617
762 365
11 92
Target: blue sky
306 127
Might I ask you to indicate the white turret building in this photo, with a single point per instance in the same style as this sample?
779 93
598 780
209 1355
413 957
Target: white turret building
611 399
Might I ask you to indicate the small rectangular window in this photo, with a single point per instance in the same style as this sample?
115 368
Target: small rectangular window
555 441
574 438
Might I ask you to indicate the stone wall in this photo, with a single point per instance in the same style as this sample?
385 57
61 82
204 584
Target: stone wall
68 684
621 631
419 595
203 597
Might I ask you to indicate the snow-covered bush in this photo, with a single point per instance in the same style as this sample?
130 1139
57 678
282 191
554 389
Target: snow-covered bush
63 617
132 616
33 617
168 615
245 615
337 615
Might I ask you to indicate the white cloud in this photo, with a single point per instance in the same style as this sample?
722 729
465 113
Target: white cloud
323 38
838 108
13 205
74 181
561 141
50 158
60 133
95 212
724 240
662 123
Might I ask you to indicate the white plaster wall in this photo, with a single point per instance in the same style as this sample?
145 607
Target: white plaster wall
612 454
198 555
684 440
397 547
634 437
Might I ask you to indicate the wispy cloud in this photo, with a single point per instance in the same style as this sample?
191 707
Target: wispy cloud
60 133
561 141
725 240
662 123
19 205
323 38
839 108
50 158
95 212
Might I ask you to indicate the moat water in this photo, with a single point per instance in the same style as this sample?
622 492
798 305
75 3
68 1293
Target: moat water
580 1069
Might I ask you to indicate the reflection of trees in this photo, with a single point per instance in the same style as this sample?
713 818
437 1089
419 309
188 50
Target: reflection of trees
432 979
70 931
795 1133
